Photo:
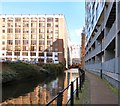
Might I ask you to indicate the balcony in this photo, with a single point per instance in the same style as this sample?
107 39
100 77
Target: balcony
94 52
108 11
110 35
109 65
118 21
93 66
96 36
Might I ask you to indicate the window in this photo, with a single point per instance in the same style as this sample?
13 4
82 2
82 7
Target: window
17 48
41 48
3 19
33 42
32 53
41 54
49 60
33 36
41 19
25 48
3 31
41 25
41 30
25 42
3 48
17 25
56 25
41 42
24 53
56 19
49 54
33 30
41 36
49 42
49 36
9 30
33 48
49 25
3 42
9 53
17 42
17 36
56 49
49 19
17 53
56 31
10 42
3 25
17 30
17 19
56 54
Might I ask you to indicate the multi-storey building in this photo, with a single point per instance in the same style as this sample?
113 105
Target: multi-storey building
103 39
41 38
75 54
82 50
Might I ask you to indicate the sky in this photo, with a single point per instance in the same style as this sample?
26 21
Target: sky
74 13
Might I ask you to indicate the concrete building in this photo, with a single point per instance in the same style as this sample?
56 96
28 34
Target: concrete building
69 52
41 38
103 39
75 54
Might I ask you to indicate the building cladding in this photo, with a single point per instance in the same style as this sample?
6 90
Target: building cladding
102 29
33 37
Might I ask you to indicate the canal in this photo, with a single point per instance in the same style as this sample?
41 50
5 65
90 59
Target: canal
37 90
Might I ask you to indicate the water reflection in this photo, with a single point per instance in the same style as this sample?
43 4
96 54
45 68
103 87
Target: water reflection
37 91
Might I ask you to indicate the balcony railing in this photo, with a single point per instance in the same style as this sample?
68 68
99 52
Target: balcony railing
110 35
109 65
96 66
108 11
94 52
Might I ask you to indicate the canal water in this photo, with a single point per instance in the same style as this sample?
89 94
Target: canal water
38 91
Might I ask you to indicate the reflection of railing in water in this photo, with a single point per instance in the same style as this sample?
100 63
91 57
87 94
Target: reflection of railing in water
59 96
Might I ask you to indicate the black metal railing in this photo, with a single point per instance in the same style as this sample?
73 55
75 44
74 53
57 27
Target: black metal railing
79 83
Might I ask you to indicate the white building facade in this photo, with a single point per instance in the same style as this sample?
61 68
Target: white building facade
33 37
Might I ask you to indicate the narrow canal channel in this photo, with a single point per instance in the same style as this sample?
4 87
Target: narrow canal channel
37 91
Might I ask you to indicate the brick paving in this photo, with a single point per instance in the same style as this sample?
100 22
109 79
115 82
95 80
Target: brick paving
99 92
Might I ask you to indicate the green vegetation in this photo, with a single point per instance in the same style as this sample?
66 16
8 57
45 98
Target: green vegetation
84 94
16 71
114 89
54 68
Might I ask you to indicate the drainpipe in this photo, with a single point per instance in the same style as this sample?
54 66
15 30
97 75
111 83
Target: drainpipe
101 62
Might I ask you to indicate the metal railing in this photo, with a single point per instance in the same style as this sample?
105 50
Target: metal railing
59 96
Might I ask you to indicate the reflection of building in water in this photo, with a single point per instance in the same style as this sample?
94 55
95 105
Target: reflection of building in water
40 95
43 94
69 77
65 95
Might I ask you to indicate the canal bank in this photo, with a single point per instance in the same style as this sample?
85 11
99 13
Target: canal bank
12 71
38 91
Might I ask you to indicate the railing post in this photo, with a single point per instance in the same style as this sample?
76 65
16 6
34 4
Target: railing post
84 77
59 99
77 93
72 95
80 82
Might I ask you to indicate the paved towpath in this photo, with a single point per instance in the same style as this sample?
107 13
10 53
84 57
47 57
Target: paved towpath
99 91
